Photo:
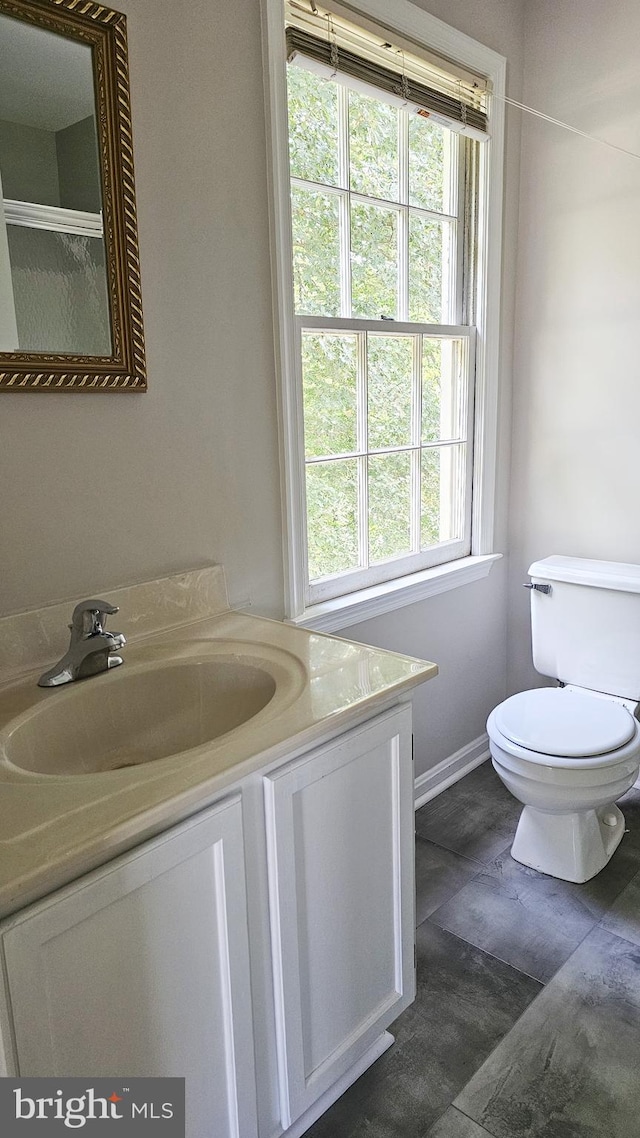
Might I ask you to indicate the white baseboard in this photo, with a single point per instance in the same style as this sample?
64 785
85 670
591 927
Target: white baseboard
432 782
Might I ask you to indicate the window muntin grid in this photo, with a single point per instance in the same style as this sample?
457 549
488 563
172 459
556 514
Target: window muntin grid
386 216
410 450
377 212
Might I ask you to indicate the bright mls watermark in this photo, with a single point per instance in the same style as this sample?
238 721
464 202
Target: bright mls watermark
136 1107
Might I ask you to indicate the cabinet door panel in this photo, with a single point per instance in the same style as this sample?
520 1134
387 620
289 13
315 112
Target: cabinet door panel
340 830
142 969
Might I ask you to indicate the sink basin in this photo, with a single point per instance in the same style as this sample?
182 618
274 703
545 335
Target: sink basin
136 715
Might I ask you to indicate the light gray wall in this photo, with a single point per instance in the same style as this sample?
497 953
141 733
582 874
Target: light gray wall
51 167
576 474
105 489
464 631
28 163
78 166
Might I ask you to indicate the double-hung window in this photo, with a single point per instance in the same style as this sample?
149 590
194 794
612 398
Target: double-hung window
384 180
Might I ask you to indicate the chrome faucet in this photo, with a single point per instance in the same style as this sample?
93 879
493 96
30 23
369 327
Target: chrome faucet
91 651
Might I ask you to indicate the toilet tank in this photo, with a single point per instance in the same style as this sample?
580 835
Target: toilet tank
586 630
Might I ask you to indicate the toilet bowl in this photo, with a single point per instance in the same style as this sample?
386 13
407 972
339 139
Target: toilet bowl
567 754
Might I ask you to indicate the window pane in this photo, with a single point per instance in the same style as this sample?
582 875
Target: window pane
389 506
374 261
313 127
443 390
429 269
442 493
332 516
316 252
429 164
390 370
373 144
329 366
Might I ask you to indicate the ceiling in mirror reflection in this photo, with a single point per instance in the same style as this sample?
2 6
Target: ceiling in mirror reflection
46 80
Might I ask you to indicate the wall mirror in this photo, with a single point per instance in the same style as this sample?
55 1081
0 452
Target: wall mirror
70 299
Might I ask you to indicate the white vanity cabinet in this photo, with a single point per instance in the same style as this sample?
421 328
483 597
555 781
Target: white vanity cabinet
340 833
141 968
268 1000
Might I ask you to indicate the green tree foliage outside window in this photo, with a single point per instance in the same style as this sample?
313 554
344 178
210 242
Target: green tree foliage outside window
374 235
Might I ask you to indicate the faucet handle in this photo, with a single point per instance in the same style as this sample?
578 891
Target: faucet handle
87 619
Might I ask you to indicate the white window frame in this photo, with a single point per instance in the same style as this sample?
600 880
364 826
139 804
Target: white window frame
340 612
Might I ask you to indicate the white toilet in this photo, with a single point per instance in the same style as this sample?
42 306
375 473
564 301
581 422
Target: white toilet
569 752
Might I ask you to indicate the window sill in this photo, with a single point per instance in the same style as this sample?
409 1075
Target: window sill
331 616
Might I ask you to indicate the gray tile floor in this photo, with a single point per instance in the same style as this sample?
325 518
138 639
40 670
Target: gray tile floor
527 1018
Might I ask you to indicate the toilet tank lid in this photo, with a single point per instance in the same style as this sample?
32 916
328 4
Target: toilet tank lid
583 571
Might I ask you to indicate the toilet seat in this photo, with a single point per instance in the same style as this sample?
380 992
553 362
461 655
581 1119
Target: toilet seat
549 765
564 723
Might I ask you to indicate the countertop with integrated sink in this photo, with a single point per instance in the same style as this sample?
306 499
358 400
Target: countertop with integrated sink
67 806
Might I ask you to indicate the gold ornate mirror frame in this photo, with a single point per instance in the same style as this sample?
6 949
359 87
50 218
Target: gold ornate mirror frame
124 370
